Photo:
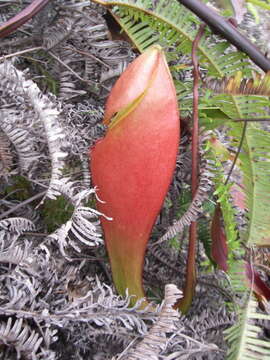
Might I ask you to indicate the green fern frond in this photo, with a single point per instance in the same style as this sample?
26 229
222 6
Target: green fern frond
240 98
243 337
204 236
255 153
140 33
242 106
224 198
238 282
256 169
174 27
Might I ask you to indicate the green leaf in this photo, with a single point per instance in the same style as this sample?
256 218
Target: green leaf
174 27
255 153
243 337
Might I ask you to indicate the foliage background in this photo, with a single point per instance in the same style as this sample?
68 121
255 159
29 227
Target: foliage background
57 299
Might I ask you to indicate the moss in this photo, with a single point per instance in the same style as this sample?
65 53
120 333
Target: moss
19 188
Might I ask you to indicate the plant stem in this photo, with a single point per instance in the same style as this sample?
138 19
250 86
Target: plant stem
21 52
185 302
23 203
228 31
238 152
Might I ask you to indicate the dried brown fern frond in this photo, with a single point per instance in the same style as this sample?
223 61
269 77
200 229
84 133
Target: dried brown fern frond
262 258
19 136
20 336
154 342
27 342
86 58
83 226
237 84
195 208
16 225
46 115
15 254
5 155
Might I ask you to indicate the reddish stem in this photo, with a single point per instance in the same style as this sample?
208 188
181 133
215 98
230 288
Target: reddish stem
189 288
22 17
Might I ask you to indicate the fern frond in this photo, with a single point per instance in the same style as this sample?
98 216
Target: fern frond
79 228
54 35
67 85
84 128
99 306
15 254
5 155
242 106
85 171
173 26
244 338
240 97
237 280
20 138
256 170
140 33
113 72
255 154
48 114
107 341
83 226
255 166
195 208
16 225
80 44
155 341
238 85
19 335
